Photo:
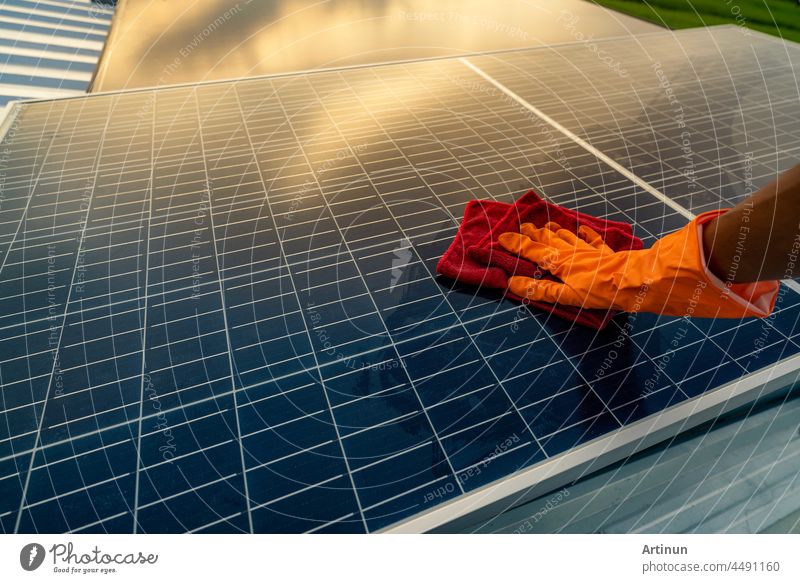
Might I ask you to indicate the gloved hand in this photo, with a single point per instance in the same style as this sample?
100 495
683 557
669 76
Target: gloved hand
669 278
510 263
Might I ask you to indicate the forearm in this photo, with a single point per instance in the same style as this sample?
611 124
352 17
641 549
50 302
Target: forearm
754 241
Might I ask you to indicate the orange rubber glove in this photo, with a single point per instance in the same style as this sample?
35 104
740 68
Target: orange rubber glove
669 278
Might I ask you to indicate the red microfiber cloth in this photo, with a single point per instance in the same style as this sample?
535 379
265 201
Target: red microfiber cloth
476 258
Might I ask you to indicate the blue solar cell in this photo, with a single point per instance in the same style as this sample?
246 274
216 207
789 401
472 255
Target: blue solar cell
237 280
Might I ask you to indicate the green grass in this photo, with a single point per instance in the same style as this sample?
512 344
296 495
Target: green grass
776 17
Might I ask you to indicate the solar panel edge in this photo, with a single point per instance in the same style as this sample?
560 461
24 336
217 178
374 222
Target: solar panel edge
539 479
10 115
381 64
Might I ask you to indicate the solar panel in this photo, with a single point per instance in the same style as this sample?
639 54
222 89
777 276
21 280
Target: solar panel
219 306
